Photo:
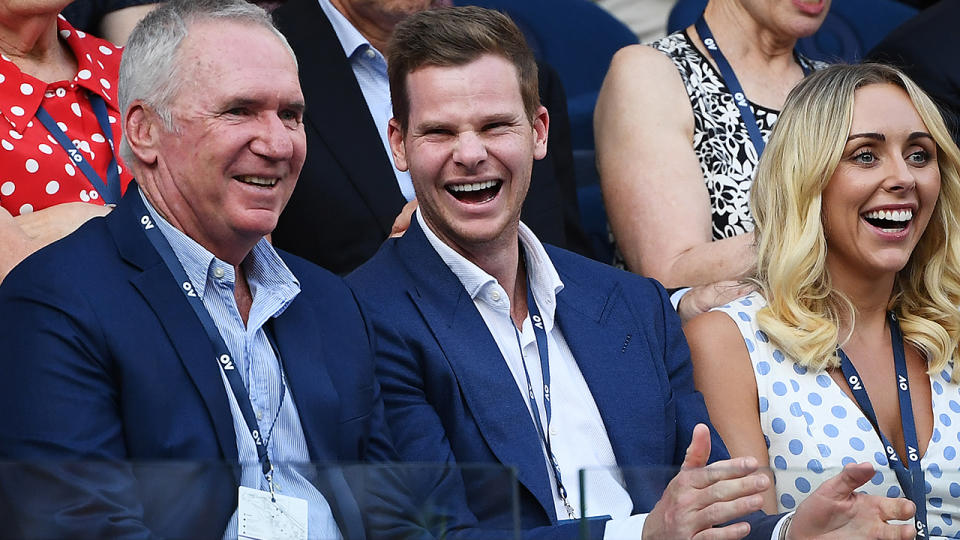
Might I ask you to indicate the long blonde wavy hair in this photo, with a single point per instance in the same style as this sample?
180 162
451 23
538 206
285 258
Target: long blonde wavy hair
804 310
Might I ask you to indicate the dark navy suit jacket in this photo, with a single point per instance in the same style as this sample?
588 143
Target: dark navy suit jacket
347 196
104 360
451 398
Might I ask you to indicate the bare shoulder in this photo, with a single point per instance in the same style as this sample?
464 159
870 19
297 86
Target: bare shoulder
717 348
643 66
642 91
715 326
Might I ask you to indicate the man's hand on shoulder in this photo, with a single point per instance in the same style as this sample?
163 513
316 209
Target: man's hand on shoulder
702 496
835 512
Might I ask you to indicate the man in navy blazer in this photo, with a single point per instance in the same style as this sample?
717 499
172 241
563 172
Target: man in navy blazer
496 349
348 196
122 416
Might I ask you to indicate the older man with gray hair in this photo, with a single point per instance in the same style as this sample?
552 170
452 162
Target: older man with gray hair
180 333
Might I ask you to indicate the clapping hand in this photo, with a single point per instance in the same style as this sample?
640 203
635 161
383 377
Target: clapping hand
835 512
702 496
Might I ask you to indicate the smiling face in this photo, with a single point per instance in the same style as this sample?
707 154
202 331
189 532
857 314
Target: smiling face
881 196
469 147
231 162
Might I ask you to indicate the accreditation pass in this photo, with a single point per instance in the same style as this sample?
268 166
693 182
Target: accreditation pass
263 516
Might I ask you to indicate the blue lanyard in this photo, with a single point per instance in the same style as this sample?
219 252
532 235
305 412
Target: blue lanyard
912 480
541 336
110 190
223 357
733 84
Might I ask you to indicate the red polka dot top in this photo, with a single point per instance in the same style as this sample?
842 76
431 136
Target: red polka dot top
35 171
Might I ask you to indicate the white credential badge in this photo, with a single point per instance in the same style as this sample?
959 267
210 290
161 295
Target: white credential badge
262 516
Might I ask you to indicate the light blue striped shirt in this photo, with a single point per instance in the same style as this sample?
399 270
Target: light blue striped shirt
273 287
370 69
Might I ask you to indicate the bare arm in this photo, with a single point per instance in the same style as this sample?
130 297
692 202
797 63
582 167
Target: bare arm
117 25
721 362
653 188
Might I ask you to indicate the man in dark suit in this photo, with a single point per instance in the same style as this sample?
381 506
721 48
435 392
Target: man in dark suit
349 193
193 371
493 348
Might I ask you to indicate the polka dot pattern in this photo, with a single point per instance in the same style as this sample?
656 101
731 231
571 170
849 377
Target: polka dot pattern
35 171
812 429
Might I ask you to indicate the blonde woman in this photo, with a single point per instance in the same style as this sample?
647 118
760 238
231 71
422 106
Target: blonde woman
847 352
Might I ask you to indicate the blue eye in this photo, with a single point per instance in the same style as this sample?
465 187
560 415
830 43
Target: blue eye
919 157
865 157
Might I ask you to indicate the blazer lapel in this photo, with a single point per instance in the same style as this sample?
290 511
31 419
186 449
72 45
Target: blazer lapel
337 111
485 381
305 364
621 371
179 322
305 359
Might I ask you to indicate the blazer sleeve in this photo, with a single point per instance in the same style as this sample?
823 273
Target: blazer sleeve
62 427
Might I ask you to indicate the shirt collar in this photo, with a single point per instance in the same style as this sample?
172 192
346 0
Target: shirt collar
541 274
98 63
265 270
350 38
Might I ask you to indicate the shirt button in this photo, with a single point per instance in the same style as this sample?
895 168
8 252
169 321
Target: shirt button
370 53
553 432
495 296
218 272
259 415
277 487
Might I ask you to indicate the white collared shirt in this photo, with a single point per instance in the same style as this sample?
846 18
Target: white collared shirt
370 68
578 436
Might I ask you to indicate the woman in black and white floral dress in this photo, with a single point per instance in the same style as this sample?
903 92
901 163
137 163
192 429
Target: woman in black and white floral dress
674 145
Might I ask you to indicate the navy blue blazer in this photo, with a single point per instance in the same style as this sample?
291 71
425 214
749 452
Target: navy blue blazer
450 397
104 360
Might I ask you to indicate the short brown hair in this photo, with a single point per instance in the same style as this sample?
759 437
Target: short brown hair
456 36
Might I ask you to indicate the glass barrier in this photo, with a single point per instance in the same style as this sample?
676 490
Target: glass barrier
605 491
200 500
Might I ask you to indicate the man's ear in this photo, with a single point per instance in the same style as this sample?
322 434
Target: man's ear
141 127
395 135
541 127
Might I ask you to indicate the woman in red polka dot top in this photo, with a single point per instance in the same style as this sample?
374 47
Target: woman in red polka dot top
59 124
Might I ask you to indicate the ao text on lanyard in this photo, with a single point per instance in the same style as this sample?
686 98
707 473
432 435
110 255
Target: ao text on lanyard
541 336
911 481
222 354
109 190
733 84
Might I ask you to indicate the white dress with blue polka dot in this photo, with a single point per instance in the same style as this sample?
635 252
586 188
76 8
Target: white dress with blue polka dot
813 429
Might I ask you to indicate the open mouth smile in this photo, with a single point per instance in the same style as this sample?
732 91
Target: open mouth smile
262 181
475 192
889 221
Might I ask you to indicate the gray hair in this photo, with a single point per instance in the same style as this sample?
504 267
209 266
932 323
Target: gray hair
149 70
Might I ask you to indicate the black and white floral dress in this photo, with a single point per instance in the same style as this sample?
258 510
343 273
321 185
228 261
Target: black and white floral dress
720 139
